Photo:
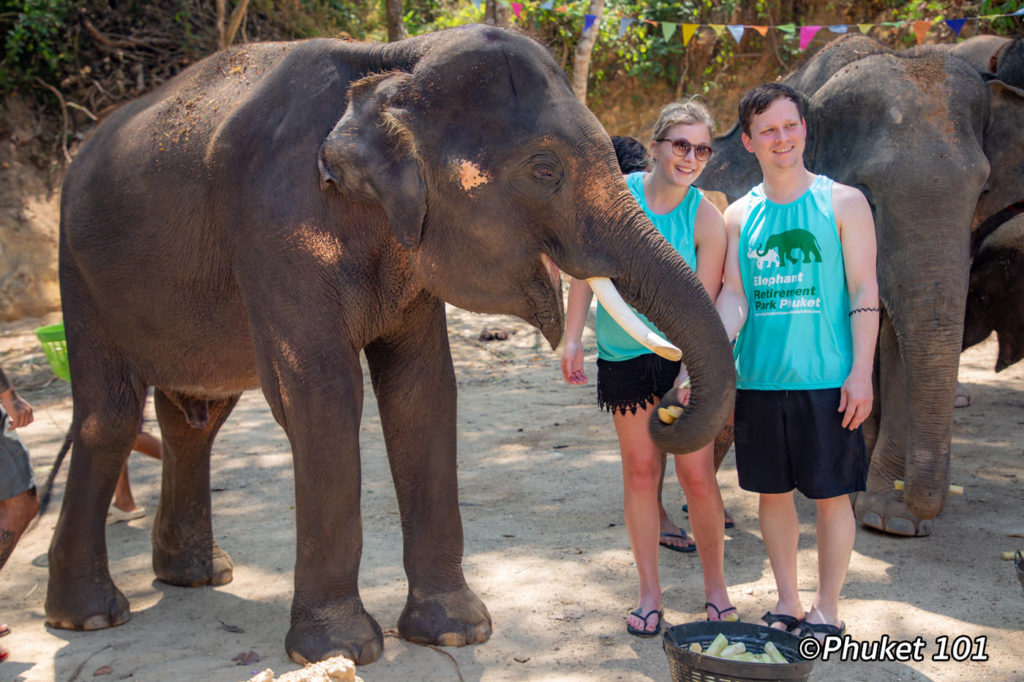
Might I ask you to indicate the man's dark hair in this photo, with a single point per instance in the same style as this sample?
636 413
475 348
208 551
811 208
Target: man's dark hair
758 99
631 154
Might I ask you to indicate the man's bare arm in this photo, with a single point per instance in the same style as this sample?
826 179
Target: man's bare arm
857 234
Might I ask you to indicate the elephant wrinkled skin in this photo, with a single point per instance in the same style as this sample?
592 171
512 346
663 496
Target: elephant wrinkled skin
277 209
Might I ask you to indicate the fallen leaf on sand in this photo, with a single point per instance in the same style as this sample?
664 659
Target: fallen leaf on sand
571 615
246 658
102 670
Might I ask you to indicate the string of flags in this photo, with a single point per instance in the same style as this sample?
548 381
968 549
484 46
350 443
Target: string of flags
806 33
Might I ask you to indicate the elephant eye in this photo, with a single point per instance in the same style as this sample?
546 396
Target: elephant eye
544 171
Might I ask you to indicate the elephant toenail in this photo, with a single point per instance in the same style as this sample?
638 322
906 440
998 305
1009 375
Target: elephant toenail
96 622
898 526
872 520
925 528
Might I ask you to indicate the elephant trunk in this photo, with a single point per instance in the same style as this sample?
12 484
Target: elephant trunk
930 353
660 285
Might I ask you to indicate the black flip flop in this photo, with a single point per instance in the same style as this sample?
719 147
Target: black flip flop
675 548
719 612
791 622
827 629
636 632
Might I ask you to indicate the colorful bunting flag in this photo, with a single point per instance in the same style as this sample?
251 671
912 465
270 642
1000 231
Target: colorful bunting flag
624 23
563 8
688 31
588 21
956 25
920 28
763 30
737 31
839 28
807 34
787 28
548 5
719 29
667 29
864 28
517 9
476 3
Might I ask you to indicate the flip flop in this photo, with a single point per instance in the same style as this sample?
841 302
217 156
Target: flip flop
733 617
115 515
637 632
675 548
728 523
3 655
791 622
826 629
4 630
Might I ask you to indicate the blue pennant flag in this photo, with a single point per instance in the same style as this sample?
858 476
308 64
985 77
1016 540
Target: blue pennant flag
588 21
737 31
476 3
548 5
625 23
839 28
956 25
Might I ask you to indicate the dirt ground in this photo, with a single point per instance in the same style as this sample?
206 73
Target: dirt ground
546 548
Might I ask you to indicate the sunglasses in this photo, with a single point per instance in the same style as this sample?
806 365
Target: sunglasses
682 147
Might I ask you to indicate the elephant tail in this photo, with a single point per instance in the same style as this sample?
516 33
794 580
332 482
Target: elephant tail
46 492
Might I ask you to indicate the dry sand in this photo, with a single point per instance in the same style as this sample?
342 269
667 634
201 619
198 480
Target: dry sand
546 548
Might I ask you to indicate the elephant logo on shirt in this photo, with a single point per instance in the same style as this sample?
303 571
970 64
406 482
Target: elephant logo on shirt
770 259
785 243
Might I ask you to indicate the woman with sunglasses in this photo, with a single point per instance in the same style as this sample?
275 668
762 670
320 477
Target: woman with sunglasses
631 379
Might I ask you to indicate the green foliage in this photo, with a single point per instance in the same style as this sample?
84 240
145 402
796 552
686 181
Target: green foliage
31 31
1006 25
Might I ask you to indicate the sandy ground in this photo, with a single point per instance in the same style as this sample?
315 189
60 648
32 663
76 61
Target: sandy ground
546 547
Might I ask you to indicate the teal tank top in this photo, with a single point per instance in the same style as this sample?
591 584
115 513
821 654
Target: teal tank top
676 226
797 334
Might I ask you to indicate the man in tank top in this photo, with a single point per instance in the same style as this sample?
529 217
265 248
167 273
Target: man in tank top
800 297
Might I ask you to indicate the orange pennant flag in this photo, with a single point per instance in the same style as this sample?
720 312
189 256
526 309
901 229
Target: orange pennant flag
920 28
688 31
763 30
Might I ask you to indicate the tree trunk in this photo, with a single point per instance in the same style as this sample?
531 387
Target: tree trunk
237 15
396 27
221 12
584 49
496 13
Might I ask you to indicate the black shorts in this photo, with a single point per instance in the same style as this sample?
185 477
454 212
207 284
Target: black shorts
634 384
796 439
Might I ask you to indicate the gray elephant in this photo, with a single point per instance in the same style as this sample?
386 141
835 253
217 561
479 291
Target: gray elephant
292 205
995 297
919 134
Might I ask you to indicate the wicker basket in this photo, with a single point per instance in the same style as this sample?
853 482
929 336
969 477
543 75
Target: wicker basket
686 666
55 348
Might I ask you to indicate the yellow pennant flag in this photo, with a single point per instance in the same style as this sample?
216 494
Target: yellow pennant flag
688 31
719 29
920 28
864 28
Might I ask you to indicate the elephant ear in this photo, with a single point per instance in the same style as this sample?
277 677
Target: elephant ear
371 155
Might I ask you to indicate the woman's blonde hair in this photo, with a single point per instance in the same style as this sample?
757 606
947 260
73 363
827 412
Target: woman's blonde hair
687 111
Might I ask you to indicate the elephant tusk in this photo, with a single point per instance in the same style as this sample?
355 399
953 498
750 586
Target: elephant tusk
627 319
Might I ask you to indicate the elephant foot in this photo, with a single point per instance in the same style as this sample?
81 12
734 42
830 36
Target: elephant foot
85 604
330 632
962 397
886 513
193 568
453 618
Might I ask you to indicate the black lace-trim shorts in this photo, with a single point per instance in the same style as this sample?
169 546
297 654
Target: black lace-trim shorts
634 384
